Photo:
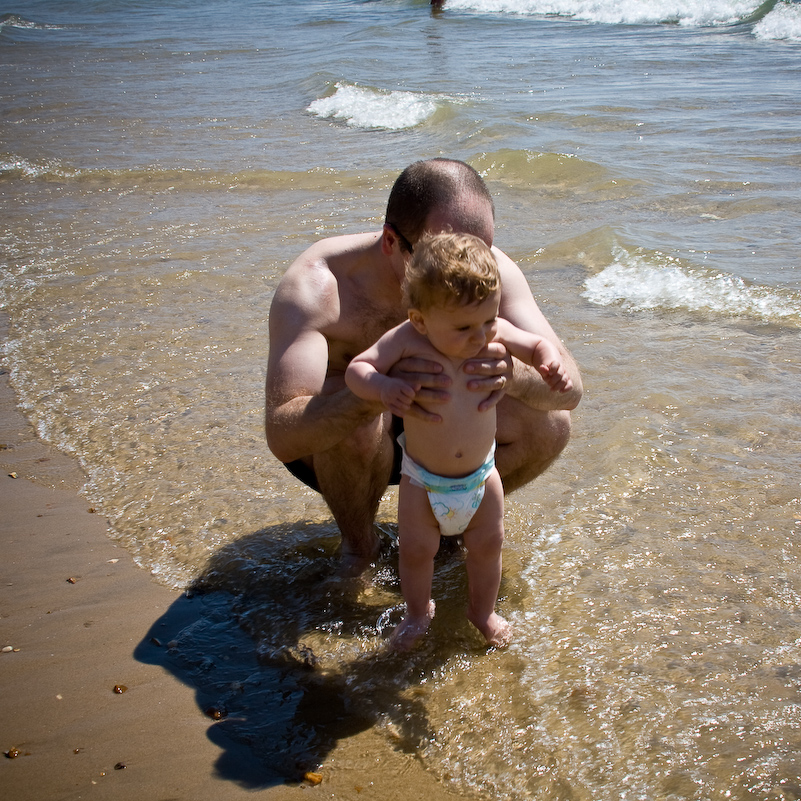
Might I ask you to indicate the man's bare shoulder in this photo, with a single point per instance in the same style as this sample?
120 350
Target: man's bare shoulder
509 270
517 301
311 284
337 254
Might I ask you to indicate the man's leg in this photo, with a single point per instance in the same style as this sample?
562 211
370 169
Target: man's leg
529 441
352 477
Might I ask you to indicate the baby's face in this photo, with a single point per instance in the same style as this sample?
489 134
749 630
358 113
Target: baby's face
462 332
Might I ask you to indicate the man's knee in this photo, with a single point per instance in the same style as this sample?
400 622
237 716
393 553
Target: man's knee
362 446
359 465
556 433
528 444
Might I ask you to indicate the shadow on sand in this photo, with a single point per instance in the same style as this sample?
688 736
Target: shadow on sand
288 659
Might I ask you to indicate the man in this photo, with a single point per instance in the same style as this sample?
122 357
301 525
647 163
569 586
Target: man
338 298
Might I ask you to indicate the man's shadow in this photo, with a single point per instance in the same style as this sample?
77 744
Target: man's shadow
288 659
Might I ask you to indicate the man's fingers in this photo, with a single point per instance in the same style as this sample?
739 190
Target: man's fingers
415 410
429 380
487 367
495 383
432 395
491 400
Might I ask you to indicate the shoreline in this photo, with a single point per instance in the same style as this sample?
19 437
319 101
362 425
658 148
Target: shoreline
75 611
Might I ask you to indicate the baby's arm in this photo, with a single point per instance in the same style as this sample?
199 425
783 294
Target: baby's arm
537 351
366 374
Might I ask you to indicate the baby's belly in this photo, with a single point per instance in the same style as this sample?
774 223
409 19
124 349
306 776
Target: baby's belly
455 447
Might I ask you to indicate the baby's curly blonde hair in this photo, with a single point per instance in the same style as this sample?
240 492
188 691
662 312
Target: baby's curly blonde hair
450 270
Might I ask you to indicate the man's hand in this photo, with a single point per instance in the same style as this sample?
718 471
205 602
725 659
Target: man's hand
494 369
432 383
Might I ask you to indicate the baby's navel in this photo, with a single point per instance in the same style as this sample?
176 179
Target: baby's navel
458 454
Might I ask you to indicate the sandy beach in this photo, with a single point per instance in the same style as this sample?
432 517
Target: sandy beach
75 612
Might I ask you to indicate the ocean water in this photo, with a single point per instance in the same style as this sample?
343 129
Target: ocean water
161 163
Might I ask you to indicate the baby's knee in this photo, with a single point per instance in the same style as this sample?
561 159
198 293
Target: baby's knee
418 550
486 545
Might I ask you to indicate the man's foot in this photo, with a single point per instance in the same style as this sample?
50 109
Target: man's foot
354 561
497 631
352 565
409 631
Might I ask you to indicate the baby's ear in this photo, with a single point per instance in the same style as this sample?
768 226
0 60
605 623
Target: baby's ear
417 320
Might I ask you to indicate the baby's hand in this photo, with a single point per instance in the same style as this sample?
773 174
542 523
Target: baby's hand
398 396
555 376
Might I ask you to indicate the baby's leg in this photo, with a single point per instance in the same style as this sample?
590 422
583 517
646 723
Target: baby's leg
483 540
418 532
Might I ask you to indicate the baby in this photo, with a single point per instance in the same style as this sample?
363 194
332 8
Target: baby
449 483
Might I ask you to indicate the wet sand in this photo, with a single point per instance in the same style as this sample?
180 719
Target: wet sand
73 609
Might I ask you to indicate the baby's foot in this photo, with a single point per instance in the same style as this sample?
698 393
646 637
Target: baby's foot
497 631
409 631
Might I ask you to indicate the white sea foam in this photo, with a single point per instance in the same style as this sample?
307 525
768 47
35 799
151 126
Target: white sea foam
32 169
16 21
783 22
684 12
361 107
638 282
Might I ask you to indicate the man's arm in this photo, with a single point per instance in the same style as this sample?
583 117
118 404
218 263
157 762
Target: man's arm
524 382
306 413
537 352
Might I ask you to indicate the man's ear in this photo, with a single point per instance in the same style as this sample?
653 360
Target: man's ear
417 320
388 239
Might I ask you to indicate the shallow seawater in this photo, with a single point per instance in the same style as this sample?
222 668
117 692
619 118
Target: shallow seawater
160 167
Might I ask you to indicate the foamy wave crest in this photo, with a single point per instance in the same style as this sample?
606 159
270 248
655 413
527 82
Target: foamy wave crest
639 282
360 107
640 12
16 21
11 165
783 22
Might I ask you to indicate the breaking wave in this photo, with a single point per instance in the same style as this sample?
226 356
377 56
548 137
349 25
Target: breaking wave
639 282
691 13
362 107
